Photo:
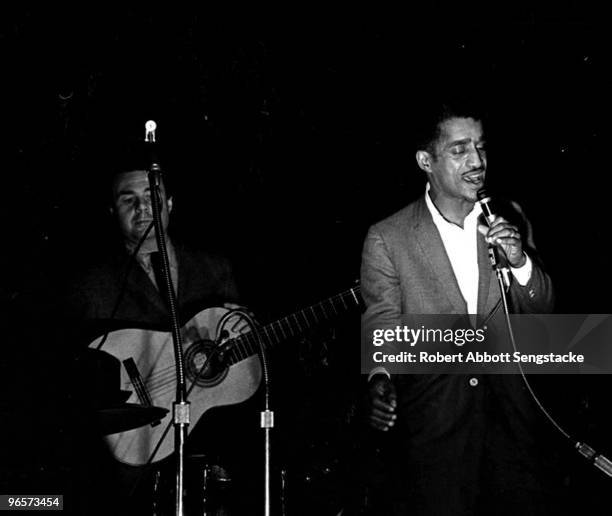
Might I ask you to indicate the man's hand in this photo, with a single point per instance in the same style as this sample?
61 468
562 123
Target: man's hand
381 402
506 236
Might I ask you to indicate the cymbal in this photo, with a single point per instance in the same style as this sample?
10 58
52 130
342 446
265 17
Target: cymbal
127 416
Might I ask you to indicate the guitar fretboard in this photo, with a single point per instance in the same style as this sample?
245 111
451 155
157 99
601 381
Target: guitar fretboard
297 323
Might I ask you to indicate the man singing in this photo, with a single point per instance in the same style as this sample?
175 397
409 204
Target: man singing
461 444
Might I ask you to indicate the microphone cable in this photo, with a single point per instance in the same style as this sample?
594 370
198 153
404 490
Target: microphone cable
599 460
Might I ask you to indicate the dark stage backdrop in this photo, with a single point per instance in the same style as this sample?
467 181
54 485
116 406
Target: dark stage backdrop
286 139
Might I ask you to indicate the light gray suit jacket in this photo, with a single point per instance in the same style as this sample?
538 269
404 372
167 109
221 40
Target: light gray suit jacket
405 269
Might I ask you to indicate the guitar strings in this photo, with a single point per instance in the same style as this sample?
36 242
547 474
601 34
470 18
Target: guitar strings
163 436
163 377
237 342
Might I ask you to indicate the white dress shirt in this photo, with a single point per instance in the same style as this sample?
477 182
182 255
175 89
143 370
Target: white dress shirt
461 246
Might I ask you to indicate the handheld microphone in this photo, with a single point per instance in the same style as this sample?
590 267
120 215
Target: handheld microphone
485 203
484 199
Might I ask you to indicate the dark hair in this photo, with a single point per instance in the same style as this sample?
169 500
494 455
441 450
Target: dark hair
434 115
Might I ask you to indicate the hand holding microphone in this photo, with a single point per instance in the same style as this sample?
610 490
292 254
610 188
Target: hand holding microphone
501 233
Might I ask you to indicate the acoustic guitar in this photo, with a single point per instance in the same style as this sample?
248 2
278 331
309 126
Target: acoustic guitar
230 376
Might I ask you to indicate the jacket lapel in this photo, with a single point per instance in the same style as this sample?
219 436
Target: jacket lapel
431 246
140 286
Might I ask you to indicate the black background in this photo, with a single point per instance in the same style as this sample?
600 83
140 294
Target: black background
288 134
286 139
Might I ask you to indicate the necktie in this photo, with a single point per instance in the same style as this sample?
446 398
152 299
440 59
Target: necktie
151 264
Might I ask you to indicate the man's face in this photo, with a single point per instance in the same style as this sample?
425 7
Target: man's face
132 205
459 163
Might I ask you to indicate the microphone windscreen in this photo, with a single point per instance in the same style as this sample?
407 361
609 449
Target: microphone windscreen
482 194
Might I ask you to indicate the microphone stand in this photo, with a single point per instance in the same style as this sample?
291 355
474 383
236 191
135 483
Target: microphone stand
503 282
267 423
181 405
266 415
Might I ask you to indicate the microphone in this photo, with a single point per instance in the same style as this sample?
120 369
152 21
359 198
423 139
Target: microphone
150 128
484 199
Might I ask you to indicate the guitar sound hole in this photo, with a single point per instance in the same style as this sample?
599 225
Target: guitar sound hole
195 358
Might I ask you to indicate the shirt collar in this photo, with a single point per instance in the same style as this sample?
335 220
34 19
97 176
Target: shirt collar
143 256
439 219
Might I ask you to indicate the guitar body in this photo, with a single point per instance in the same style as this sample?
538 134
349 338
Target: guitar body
148 371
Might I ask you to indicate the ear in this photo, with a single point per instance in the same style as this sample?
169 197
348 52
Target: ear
170 204
424 160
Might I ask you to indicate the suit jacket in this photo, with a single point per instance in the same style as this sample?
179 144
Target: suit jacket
117 293
120 284
405 269
117 283
452 430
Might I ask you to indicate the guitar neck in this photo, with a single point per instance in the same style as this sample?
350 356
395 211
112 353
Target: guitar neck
295 324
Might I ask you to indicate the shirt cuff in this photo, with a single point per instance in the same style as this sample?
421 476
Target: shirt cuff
523 274
378 370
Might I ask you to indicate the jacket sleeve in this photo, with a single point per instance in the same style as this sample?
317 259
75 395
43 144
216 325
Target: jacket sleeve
381 292
537 296
380 282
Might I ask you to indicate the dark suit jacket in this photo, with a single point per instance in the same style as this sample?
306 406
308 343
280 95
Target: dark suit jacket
451 433
116 293
116 283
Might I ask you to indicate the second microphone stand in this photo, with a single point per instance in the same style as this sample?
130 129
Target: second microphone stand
181 405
